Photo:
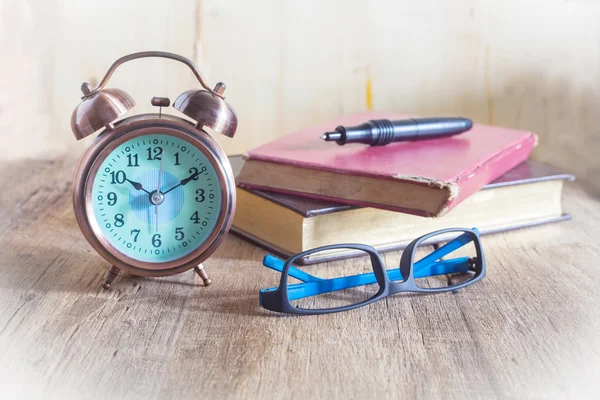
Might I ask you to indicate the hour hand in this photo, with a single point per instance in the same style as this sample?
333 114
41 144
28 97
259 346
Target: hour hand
136 185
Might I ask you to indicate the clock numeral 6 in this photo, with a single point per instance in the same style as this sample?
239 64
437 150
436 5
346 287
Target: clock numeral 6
156 242
119 222
135 233
200 198
179 235
112 198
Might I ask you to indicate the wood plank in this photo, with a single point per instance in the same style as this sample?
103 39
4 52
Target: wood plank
528 330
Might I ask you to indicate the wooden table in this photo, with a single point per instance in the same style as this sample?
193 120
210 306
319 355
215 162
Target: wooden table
529 330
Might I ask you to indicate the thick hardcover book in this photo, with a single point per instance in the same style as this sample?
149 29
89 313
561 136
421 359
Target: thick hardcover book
528 195
426 178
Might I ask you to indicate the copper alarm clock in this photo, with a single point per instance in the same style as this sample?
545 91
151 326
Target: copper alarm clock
154 194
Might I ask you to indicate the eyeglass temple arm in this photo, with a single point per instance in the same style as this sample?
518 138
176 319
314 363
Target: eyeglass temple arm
300 290
276 264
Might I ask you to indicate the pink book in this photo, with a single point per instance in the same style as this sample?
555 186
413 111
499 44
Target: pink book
425 178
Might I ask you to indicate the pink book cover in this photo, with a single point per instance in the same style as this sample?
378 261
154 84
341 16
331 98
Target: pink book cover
463 163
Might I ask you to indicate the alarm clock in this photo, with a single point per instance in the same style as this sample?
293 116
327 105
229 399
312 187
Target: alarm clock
154 194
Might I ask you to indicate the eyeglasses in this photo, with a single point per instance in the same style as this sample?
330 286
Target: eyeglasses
456 263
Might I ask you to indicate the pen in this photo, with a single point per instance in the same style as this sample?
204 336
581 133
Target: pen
379 132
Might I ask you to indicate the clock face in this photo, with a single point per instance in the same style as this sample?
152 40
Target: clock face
156 198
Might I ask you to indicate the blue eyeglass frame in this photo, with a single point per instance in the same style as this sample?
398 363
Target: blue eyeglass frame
278 298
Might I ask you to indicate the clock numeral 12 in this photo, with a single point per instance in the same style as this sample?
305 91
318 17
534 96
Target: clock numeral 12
154 153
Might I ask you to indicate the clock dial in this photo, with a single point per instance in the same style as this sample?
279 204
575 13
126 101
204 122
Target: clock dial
156 198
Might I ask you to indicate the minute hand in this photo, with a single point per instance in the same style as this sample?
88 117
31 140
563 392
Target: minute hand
183 182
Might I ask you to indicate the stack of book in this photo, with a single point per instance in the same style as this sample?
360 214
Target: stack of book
298 192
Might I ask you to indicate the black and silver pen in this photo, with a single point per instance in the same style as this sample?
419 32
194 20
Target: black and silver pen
379 132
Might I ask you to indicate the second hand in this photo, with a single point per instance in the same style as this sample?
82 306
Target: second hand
158 189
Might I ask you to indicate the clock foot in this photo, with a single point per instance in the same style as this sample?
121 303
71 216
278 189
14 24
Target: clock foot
202 273
110 276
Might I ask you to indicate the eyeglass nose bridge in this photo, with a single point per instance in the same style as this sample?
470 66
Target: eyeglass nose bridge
378 267
406 270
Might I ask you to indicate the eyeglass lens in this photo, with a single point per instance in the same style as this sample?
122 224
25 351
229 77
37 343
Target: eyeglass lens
447 263
341 283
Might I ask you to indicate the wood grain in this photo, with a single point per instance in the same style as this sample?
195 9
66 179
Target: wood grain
529 330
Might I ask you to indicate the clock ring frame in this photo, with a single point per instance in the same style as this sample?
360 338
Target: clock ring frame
126 130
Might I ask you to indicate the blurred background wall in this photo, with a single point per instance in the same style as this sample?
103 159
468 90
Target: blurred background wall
527 64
